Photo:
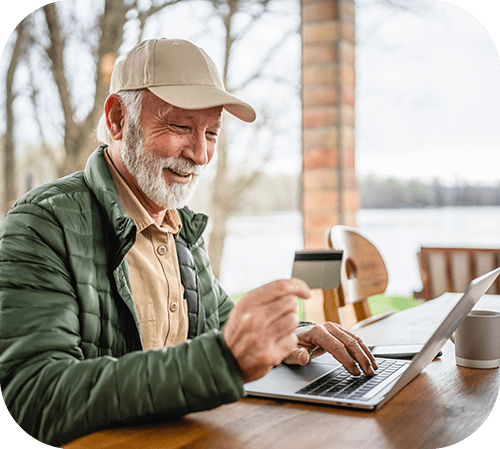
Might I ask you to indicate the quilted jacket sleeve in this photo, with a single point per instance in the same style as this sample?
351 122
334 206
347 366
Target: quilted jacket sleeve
50 388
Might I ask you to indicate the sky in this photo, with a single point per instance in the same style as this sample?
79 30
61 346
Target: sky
428 93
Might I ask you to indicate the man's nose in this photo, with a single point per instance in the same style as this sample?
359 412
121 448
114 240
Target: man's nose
198 150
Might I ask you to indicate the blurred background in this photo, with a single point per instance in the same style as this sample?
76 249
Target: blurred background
427 114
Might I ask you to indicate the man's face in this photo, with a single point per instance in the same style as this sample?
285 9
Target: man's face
168 150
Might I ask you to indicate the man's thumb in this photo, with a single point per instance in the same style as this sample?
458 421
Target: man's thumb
299 356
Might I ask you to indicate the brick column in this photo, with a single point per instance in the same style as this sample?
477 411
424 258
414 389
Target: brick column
328 74
329 190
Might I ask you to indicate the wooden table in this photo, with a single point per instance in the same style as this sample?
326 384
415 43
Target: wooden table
442 406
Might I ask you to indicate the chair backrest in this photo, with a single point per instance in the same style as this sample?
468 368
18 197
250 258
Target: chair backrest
363 271
450 269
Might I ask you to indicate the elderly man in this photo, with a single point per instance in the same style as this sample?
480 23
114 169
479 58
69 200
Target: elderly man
109 312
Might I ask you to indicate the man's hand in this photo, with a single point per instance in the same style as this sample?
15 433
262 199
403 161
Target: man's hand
260 329
346 347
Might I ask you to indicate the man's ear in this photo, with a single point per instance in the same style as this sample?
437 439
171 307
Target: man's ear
115 116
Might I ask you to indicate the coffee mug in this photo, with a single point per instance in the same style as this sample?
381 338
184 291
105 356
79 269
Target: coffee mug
477 340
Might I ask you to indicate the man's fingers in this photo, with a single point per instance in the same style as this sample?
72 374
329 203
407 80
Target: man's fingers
299 356
350 350
287 345
275 310
283 326
260 329
277 318
363 346
339 351
343 347
276 290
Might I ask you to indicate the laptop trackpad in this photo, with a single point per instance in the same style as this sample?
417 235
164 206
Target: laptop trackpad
286 379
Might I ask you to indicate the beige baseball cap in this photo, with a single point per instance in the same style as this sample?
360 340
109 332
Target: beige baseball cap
178 72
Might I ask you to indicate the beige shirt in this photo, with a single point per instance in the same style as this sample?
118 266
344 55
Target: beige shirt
154 272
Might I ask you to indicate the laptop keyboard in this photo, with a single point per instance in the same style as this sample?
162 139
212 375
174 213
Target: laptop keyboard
339 383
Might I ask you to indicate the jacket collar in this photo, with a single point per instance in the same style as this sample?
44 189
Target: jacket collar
193 224
98 178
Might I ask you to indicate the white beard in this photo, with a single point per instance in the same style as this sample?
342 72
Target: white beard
147 169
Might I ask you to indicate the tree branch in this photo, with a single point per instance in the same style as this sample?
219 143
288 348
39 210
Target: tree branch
55 52
143 16
9 190
111 24
267 59
243 183
34 95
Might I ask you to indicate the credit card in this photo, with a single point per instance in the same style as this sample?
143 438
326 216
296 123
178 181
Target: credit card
318 268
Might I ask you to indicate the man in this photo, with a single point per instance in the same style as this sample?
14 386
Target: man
110 314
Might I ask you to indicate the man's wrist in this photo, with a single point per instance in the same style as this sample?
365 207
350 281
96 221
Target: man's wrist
306 323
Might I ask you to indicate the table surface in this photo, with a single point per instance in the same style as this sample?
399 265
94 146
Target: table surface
442 406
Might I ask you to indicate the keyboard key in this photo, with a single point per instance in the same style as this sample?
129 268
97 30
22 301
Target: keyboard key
340 383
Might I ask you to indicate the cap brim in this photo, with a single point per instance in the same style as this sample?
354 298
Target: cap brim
203 97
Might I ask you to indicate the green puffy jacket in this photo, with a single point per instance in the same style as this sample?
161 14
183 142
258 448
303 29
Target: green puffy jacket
71 358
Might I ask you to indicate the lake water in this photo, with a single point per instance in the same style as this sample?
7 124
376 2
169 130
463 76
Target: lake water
260 249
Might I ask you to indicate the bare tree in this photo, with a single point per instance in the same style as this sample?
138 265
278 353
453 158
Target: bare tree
102 39
58 32
9 182
227 191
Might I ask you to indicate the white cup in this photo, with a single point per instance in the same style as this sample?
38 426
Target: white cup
477 340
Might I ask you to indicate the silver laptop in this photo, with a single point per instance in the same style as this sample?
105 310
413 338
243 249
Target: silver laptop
325 381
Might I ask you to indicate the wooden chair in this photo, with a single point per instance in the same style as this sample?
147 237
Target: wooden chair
450 269
363 274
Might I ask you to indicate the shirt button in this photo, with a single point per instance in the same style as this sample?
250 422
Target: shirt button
173 307
161 250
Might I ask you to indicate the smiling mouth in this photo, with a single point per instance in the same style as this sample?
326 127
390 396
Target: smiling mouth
179 173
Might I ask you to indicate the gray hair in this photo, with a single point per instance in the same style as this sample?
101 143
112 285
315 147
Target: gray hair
132 101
